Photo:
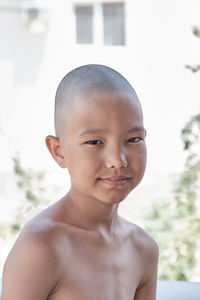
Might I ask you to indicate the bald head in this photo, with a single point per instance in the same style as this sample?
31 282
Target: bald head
81 83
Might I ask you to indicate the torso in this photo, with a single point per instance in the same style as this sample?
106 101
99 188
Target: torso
95 268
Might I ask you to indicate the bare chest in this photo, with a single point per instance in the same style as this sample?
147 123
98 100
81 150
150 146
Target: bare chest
93 269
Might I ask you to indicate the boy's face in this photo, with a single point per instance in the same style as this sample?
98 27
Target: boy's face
104 148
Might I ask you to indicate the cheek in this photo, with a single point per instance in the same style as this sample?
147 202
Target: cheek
144 155
82 162
138 158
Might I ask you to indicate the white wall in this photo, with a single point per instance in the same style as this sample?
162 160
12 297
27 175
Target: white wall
159 44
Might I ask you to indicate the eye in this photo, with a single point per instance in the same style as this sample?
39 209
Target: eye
94 142
134 140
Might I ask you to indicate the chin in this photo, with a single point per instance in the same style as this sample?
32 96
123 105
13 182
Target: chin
114 199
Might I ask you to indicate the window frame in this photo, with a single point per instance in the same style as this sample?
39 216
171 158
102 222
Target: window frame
97 21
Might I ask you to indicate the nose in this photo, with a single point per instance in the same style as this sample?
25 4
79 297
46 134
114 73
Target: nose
117 160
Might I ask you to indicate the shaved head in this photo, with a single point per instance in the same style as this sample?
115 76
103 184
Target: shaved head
81 83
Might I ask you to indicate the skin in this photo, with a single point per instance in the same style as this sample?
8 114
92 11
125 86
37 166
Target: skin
80 248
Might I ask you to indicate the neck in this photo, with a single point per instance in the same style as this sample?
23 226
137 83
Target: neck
90 213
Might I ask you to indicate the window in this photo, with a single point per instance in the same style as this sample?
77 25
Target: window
100 23
113 21
84 28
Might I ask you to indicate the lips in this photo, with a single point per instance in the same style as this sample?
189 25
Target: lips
115 181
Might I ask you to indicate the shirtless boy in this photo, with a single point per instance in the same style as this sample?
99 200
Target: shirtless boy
80 248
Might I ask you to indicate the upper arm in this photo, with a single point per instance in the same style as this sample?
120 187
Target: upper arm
29 271
147 288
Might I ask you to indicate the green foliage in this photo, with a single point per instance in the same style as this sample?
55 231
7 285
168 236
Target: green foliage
15 228
25 181
175 223
194 69
31 193
196 32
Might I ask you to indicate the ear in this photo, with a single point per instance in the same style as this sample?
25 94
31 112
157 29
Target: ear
55 147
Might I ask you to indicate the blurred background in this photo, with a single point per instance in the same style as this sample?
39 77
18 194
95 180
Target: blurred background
156 46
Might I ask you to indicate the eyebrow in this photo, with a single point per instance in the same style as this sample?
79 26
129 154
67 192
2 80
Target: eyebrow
137 129
92 131
98 130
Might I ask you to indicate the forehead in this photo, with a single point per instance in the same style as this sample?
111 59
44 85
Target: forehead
100 100
98 110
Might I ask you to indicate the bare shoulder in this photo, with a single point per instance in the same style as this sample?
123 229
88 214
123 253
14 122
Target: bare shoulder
146 244
39 234
32 266
145 261
142 241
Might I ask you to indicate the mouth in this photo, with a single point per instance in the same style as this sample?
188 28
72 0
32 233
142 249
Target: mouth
116 181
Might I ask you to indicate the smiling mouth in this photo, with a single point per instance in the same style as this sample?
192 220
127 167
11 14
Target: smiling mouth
116 181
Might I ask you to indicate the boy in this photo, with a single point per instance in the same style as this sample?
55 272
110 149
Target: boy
80 248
